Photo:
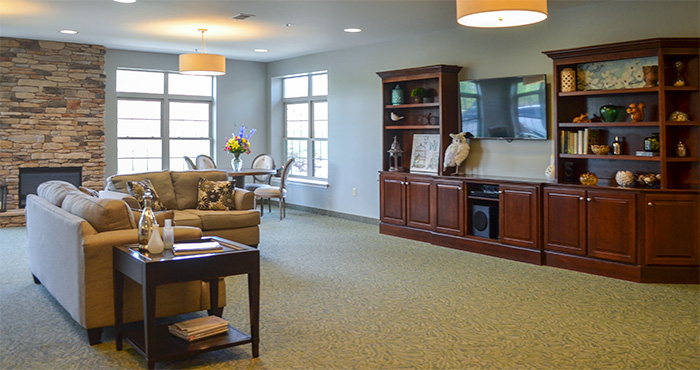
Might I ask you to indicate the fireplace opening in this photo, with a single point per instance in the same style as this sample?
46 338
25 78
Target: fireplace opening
30 178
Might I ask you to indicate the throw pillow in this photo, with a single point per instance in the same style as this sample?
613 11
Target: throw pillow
215 195
137 189
90 192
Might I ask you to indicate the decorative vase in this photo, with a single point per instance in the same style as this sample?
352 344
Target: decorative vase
611 113
397 95
236 162
146 223
624 178
568 80
651 143
679 80
651 75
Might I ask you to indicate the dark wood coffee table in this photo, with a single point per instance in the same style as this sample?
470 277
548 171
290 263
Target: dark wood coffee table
154 342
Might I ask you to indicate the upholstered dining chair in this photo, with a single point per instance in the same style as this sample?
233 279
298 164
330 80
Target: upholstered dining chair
204 161
268 192
262 161
190 164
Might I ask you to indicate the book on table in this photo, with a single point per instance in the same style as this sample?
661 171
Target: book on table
199 328
196 248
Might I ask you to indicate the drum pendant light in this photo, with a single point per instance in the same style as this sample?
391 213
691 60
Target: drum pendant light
202 64
500 13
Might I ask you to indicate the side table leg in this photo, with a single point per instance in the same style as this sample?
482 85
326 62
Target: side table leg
118 305
254 307
214 308
149 320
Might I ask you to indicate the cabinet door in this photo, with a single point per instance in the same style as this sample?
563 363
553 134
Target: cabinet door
393 199
519 216
612 220
671 230
449 204
565 220
418 209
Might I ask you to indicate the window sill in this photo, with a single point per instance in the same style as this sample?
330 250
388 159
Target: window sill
306 182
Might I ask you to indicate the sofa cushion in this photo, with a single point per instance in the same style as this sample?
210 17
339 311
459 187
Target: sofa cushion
218 220
215 195
55 191
161 182
184 218
102 214
138 190
161 216
186 185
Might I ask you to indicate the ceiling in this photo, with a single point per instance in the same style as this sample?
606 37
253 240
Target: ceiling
286 28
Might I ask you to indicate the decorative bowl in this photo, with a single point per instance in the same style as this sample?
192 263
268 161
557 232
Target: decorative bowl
612 113
600 149
588 178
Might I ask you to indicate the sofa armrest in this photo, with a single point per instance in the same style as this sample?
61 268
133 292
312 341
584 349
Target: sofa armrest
244 199
129 199
131 236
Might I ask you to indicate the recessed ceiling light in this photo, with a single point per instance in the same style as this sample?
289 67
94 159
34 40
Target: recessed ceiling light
352 30
68 32
260 50
126 1
287 24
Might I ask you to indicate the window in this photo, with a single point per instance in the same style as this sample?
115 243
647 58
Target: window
306 124
162 117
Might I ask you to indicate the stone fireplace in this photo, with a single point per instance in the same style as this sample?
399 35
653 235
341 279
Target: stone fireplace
30 178
52 96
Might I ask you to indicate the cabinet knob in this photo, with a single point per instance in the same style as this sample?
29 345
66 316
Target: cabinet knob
580 198
650 204
500 192
588 199
459 188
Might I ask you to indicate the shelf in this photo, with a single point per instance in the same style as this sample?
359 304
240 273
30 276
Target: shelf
682 159
609 124
684 123
611 157
409 106
476 197
610 92
681 88
413 127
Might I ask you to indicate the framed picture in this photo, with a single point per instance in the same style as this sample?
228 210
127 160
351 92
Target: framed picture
425 156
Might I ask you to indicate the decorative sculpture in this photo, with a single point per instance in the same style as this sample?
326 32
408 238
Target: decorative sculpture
549 172
457 152
636 112
395 157
583 118
395 117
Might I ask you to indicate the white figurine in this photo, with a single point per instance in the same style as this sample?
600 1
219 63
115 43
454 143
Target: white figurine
458 151
549 172
395 117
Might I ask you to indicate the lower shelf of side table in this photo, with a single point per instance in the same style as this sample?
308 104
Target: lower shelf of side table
168 346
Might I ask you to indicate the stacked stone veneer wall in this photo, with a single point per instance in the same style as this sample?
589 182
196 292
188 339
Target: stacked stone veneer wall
52 98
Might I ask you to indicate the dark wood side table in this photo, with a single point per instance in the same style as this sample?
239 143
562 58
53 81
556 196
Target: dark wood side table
154 342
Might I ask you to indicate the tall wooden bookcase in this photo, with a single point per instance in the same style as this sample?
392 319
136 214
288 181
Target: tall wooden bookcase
438 115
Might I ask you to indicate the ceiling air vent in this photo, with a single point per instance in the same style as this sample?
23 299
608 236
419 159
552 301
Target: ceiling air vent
242 16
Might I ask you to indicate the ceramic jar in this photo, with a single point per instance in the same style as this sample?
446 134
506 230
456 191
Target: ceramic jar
568 80
651 143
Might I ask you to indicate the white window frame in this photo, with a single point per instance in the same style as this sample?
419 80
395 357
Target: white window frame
310 99
165 100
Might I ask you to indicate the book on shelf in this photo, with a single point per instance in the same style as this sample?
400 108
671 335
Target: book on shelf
642 153
195 248
199 328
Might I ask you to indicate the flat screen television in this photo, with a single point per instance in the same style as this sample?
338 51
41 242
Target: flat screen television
508 108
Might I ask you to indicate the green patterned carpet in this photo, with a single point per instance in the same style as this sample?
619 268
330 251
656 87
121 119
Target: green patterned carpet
337 295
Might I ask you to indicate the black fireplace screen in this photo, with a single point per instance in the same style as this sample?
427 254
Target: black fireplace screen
30 178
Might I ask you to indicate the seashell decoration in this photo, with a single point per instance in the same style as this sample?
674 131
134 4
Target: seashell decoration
624 178
649 179
678 116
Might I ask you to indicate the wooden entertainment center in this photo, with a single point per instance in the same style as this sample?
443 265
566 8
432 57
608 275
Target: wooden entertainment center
633 233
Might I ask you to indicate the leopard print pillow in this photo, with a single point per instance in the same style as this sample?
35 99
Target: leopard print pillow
138 189
215 195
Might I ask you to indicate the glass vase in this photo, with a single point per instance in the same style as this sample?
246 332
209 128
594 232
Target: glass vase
236 162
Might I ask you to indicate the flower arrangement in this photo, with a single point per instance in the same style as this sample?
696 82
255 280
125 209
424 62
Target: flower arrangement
239 143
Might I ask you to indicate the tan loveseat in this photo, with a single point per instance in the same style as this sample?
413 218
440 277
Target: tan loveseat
70 238
178 190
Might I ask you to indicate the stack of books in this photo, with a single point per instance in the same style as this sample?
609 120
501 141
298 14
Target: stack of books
199 328
196 248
